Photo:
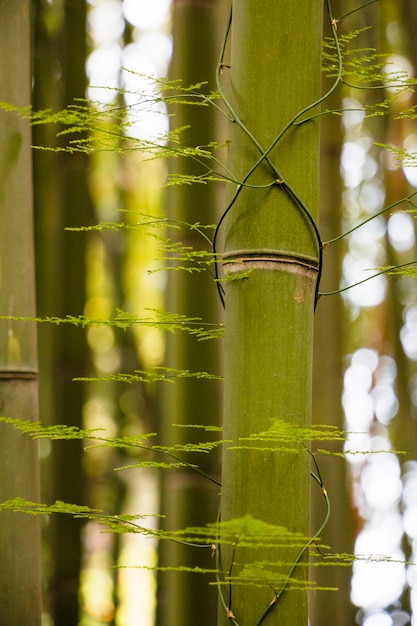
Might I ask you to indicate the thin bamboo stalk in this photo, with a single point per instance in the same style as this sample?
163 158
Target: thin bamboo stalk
20 578
187 498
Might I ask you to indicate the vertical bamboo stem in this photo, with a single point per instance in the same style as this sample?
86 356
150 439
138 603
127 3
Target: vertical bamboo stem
271 256
187 498
20 580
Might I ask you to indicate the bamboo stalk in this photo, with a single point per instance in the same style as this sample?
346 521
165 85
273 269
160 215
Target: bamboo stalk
272 256
20 578
189 499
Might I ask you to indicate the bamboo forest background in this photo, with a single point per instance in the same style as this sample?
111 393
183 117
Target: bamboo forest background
92 259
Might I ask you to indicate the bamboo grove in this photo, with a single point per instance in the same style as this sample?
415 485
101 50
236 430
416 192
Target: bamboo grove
189 291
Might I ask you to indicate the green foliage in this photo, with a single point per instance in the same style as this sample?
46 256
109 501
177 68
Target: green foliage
158 374
364 69
91 127
163 320
113 523
400 156
55 432
359 63
36 430
284 436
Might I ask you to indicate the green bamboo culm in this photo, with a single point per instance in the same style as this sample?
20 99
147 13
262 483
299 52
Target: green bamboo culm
61 201
20 577
271 267
189 499
327 365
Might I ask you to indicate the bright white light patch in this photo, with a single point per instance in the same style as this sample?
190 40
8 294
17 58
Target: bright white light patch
371 196
367 358
103 67
387 584
381 618
397 69
381 481
358 377
366 252
410 144
353 114
359 411
366 287
401 231
352 160
146 15
105 22
408 333
385 402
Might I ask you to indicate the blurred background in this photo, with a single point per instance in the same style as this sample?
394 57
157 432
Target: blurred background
366 337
